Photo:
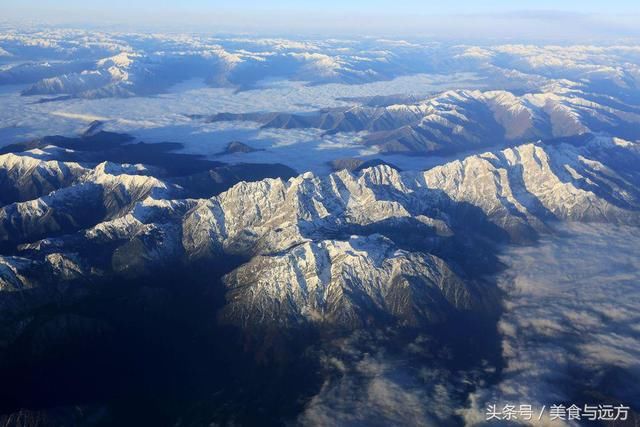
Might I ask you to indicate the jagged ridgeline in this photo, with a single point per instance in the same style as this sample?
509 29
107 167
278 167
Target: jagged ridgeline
460 120
183 275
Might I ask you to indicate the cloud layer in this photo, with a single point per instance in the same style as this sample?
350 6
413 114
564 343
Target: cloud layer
571 321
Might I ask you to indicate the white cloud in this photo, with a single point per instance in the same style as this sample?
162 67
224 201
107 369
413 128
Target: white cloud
572 306
366 385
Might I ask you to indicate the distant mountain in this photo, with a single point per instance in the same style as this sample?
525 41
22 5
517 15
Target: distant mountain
238 147
89 64
461 120
128 74
356 164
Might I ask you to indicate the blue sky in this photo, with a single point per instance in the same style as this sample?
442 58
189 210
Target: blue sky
568 19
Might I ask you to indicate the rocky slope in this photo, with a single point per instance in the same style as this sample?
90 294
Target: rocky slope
344 249
351 283
25 178
461 119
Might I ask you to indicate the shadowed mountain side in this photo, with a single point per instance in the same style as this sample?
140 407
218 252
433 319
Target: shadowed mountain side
458 120
238 147
356 165
116 147
291 264
452 211
214 181
134 352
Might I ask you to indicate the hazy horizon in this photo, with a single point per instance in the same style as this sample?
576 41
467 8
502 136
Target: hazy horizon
571 21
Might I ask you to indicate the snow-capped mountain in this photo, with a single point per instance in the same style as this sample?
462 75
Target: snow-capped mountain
25 178
121 75
110 74
86 64
343 249
460 119
354 283
99 194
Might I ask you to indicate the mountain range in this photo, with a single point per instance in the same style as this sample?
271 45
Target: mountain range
458 120
344 249
338 237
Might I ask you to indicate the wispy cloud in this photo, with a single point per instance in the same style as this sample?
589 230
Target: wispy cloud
367 385
571 319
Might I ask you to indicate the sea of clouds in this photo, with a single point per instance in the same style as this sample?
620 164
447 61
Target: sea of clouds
571 327
164 117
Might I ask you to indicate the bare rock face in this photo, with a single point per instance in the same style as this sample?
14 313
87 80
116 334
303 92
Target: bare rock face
352 283
340 250
100 193
457 120
531 183
25 178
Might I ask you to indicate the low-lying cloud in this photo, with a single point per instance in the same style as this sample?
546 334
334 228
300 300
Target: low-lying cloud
571 321
369 385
